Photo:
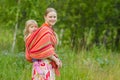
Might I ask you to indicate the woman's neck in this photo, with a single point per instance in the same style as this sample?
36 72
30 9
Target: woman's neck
48 24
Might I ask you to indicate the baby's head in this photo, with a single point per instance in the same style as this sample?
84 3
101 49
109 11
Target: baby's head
30 26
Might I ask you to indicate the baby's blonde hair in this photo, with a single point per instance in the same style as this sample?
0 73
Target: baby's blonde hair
27 25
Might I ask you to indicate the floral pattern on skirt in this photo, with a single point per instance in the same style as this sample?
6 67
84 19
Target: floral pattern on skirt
42 70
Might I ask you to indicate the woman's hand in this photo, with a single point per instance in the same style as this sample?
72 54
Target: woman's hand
56 60
58 63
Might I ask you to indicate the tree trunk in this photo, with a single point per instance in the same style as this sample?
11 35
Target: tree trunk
16 27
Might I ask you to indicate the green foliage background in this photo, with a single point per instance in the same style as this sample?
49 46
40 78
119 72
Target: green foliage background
81 24
90 28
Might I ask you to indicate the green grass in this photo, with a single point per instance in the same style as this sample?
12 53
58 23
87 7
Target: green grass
6 39
96 64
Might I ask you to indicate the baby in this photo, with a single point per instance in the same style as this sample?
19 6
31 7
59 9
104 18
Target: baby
30 27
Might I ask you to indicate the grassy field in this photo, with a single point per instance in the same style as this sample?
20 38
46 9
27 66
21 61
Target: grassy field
96 64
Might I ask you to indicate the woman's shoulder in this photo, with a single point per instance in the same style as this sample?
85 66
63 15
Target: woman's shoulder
45 29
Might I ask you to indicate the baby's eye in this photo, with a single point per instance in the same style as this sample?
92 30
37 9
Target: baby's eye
35 26
31 26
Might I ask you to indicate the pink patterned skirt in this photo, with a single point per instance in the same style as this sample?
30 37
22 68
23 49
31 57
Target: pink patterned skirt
42 70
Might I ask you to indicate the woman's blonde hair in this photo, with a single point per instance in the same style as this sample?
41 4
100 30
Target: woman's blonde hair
27 25
50 10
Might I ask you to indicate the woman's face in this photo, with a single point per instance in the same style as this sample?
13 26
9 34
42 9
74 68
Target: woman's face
32 28
51 18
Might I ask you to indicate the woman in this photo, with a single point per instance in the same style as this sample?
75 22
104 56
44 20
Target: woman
40 49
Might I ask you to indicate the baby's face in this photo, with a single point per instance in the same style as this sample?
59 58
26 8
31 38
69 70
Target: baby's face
32 28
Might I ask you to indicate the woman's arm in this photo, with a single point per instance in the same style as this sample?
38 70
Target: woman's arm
56 60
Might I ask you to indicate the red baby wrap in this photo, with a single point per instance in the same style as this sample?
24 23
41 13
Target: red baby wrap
41 44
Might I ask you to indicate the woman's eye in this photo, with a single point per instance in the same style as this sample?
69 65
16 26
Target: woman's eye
54 16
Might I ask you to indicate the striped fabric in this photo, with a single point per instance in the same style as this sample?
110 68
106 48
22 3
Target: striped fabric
41 44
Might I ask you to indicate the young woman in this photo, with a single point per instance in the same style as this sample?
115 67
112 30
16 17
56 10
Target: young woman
40 49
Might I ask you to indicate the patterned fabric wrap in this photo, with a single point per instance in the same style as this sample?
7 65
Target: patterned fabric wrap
43 70
41 44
